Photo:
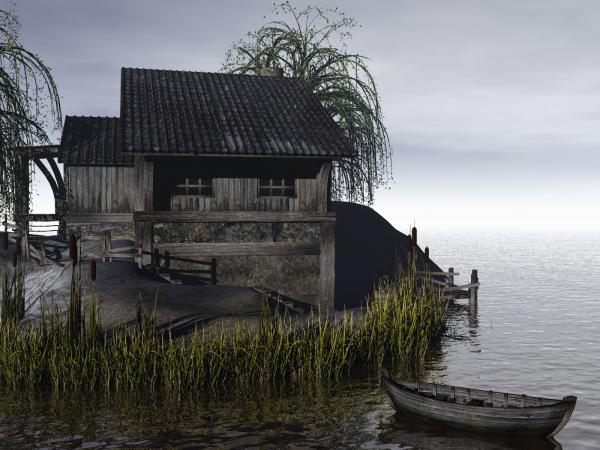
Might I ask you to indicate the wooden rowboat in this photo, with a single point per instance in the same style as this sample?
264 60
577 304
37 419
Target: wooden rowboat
487 411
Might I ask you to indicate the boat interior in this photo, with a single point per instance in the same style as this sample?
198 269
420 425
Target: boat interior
474 397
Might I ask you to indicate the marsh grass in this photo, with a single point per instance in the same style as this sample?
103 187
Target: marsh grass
12 305
282 355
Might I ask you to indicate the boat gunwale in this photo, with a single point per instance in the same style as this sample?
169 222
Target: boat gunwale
568 400
404 387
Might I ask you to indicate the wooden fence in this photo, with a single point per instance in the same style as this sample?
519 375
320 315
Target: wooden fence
161 264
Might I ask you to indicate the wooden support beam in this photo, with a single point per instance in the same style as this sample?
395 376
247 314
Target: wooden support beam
240 248
323 187
57 175
231 216
144 176
143 237
327 267
99 218
53 184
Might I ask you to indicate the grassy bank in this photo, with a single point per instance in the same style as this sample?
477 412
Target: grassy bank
400 322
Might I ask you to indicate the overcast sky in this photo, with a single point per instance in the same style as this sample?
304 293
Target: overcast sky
492 106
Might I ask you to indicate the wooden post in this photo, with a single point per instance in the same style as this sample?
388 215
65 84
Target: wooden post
143 237
473 289
109 245
327 267
104 248
450 276
139 258
144 177
26 253
43 260
323 187
213 271
167 260
156 262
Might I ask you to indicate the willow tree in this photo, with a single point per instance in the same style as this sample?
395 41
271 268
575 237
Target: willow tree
311 44
29 104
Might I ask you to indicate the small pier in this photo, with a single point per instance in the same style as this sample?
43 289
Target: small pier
444 281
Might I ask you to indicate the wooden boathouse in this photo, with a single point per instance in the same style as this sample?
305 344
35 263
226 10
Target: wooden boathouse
234 168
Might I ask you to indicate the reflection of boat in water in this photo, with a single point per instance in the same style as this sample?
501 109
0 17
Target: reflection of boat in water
412 431
488 411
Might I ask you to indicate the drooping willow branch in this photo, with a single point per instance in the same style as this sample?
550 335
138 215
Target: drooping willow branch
311 46
29 104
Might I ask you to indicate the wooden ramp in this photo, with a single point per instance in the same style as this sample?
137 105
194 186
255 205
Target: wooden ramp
278 300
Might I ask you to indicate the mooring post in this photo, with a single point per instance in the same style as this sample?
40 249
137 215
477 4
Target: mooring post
139 258
474 287
450 276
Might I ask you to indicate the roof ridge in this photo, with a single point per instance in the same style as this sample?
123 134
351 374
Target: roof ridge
92 117
148 69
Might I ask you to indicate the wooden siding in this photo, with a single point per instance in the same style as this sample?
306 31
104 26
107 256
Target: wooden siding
241 194
99 189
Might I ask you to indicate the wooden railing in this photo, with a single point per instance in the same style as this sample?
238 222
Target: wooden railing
161 264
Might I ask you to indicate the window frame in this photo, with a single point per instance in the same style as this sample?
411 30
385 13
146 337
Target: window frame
268 189
202 184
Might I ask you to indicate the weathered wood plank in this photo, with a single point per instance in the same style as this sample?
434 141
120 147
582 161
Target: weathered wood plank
241 248
139 188
143 237
232 216
322 187
114 189
83 218
327 267
149 186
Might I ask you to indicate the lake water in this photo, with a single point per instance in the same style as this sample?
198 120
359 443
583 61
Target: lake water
536 330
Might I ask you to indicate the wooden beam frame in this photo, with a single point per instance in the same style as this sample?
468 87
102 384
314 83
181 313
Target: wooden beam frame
241 248
99 218
327 267
231 216
323 187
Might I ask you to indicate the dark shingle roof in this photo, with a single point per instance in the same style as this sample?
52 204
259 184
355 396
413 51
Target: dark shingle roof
93 141
166 111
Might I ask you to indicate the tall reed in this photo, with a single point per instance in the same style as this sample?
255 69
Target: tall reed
13 285
400 321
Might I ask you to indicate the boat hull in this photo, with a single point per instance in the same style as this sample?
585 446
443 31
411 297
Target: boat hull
536 421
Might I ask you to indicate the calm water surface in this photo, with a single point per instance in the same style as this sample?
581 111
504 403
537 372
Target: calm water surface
536 330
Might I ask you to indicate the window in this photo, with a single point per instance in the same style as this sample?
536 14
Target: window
195 186
276 187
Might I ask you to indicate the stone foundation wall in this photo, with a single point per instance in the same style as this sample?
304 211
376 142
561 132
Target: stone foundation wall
296 275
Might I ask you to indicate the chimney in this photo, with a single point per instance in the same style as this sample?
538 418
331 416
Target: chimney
271 72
